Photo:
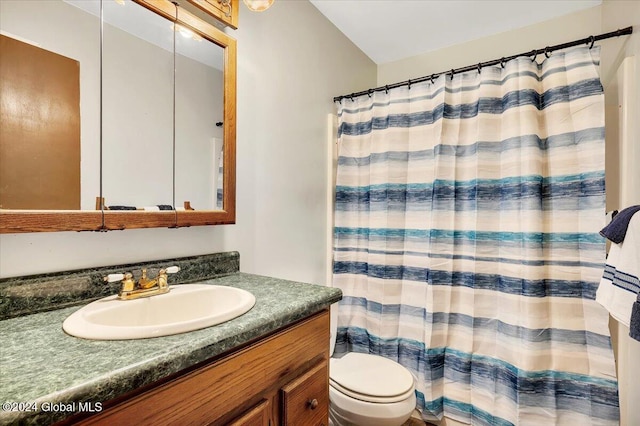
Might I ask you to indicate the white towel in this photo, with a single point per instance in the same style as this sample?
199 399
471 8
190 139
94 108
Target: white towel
619 286
151 208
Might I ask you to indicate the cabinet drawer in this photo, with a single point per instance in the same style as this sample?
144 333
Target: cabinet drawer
305 400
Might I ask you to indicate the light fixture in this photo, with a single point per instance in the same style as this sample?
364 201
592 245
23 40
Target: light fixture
258 5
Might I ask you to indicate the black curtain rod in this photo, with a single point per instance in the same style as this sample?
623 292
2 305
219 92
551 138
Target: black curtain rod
533 54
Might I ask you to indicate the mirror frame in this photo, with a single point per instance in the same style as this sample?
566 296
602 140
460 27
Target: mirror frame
19 221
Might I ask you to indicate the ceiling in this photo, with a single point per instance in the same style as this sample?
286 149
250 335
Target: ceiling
389 30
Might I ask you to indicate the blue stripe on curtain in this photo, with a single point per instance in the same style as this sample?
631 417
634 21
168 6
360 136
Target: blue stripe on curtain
509 191
519 142
528 262
496 282
482 106
527 334
466 241
472 236
399 348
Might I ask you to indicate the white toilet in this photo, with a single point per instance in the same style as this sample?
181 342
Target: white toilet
368 390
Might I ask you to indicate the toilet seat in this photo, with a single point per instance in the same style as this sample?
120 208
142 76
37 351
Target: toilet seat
351 375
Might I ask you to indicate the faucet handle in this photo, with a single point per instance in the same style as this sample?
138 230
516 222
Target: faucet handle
127 281
162 276
113 278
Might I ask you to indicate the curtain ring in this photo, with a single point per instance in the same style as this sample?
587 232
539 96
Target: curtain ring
452 74
479 67
546 52
432 75
351 97
386 89
409 84
502 62
534 53
369 92
593 40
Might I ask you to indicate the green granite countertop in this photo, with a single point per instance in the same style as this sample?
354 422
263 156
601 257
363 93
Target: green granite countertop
45 374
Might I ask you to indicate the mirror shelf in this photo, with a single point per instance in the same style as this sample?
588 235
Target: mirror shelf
18 221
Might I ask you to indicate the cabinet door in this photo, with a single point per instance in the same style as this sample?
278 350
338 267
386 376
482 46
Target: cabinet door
256 416
305 400
225 11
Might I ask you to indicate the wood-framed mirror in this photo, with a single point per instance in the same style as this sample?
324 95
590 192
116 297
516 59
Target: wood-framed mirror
214 203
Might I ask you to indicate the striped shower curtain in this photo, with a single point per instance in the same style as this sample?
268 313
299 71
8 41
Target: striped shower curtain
466 240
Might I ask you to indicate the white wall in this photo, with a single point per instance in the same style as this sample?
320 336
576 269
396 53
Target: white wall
291 63
619 14
554 31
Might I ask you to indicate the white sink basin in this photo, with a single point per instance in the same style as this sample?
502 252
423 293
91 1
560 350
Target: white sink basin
185 308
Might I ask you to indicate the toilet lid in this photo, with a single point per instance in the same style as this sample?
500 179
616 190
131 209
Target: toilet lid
371 378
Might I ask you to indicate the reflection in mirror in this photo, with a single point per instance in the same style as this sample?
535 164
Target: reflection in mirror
199 106
137 108
143 174
220 182
49 121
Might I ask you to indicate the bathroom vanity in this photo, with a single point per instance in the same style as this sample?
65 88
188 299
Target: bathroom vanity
280 379
268 366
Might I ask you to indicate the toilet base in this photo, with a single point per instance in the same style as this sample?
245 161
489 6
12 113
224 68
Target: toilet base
347 411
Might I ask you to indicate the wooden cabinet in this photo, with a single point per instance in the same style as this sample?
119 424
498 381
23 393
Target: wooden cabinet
305 400
225 11
282 379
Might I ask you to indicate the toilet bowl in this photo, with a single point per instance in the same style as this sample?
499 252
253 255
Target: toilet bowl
368 390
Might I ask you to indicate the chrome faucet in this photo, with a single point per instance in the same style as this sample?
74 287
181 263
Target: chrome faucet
145 287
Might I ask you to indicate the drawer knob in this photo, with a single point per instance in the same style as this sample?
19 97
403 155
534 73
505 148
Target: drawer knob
313 404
